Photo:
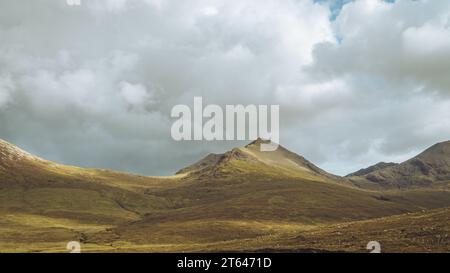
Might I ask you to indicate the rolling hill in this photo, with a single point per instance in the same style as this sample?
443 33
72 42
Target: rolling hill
244 199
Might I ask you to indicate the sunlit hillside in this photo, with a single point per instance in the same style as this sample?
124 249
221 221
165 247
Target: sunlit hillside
243 200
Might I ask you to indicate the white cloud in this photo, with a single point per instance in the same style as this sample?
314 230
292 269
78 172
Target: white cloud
427 39
389 72
135 95
401 41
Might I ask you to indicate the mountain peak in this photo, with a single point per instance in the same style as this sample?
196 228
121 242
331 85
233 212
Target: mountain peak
258 142
250 158
10 152
376 167
438 149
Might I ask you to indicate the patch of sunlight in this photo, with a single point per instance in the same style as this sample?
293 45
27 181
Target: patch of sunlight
40 221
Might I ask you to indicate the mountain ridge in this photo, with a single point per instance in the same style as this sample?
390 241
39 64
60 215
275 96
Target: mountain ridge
248 196
423 170
427 168
372 168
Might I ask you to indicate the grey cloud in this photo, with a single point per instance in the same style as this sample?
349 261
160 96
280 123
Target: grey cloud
94 85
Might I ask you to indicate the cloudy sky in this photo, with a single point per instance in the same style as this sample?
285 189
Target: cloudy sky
357 82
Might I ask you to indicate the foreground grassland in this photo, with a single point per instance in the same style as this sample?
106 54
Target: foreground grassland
240 201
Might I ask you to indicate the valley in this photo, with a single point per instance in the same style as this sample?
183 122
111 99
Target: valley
242 200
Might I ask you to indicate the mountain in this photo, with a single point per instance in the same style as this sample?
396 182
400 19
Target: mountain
251 157
242 200
430 168
376 167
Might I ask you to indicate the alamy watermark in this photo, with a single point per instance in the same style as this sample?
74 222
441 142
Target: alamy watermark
374 247
74 247
227 124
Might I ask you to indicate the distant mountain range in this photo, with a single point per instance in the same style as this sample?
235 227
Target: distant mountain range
432 167
428 168
242 200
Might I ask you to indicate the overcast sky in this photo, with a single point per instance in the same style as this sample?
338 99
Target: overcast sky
357 82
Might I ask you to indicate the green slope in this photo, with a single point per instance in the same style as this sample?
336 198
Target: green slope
244 195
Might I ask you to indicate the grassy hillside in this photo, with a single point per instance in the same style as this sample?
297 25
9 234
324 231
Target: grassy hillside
243 196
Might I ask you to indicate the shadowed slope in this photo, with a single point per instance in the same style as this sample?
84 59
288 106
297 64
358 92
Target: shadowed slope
376 167
430 168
